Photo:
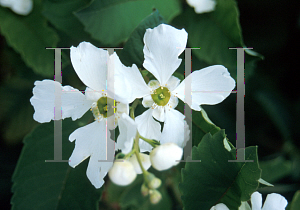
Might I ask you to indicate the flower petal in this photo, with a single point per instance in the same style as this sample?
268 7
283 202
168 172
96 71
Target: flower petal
93 140
128 81
220 206
173 102
256 201
163 45
128 129
147 101
147 128
73 103
159 113
173 130
172 83
275 201
22 7
210 85
202 6
90 64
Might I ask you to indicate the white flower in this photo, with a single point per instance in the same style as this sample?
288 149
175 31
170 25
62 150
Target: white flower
93 140
21 7
163 45
202 6
145 159
219 206
165 156
122 173
273 201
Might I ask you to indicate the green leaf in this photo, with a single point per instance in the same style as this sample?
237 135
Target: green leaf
51 185
112 22
29 36
275 169
201 124
214 179
61 15
132 52
294 205
214 33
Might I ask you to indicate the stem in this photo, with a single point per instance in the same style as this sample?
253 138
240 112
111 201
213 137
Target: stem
136 148
149 141
129 154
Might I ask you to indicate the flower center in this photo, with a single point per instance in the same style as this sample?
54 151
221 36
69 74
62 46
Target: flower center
161 96
105 106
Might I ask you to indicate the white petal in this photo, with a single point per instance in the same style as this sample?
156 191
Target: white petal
165 156
93 140
153 84
122 108
122 173
275 201
128 81
159 113
145 159
210 85
96 171
22 7
173 102
202 6
128 129
173 130
147 128
94 95
172 83
163 45
73 103
6 3
147 101
256 201
90 64
220 206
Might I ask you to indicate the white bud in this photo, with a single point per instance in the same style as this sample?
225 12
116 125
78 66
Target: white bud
122 173
145 159
155 196
165 156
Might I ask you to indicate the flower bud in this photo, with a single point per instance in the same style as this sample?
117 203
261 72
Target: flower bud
122 173
152 181
165 156
144 190
155 196
145 159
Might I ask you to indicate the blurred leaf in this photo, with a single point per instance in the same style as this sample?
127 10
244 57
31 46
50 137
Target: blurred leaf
278 113
214 33
130 197
51 185
294 205
112 22
61 15
132 52
201 124
276 169
29 36
214 179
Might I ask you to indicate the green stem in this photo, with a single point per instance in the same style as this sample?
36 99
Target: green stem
133 106
137 149
129 154
150 141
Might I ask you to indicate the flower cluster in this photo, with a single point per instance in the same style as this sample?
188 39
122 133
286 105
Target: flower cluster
111 88
273 201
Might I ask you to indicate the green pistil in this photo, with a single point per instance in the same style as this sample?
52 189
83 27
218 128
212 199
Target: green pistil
106 106
161 96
